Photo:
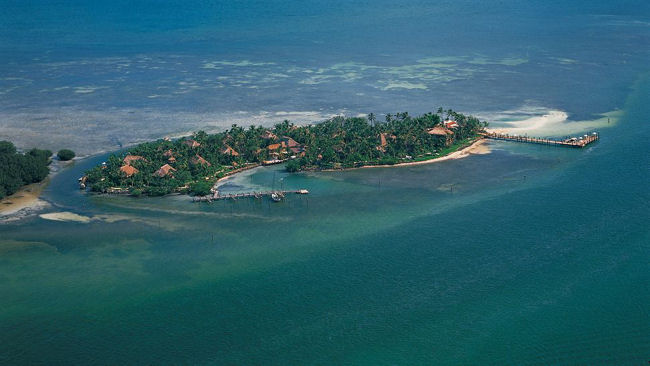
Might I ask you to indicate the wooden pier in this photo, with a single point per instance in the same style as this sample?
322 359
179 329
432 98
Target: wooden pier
578 142
233 196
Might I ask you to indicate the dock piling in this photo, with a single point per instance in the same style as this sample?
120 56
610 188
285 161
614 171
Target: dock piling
234 196
578 142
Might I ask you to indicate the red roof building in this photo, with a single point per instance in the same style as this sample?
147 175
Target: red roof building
268 135
128 170
451 124
383 142
191 143
165 170
198 160
440 131
229 151
130 158
289 142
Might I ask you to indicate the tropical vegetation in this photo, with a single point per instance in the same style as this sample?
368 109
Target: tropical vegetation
65 154
192 164
18 169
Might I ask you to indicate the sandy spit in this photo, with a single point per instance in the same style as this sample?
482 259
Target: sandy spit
65 216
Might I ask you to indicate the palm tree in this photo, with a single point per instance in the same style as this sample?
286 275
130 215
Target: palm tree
371 118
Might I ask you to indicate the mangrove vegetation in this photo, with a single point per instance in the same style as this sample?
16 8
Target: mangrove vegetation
19 169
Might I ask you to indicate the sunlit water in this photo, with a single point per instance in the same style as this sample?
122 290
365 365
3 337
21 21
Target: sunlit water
529 255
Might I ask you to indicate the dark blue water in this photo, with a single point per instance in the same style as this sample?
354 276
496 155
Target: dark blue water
118 72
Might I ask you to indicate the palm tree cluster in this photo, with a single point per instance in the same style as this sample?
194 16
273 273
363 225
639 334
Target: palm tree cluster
164 166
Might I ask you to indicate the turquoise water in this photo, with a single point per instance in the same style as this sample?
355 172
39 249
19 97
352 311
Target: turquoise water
375 266
528 255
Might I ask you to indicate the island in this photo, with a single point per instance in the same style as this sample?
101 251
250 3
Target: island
193 164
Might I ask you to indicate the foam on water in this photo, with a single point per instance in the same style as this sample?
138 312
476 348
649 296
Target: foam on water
539 121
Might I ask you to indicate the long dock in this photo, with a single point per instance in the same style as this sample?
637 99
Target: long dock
578 142
233 196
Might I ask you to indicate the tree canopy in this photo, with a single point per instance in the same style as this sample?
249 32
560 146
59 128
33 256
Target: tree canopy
65 154
17 170
186 164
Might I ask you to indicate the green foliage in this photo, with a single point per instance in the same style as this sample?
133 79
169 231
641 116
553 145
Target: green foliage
65 154
293 166
42 155
333 144
7 147
200 188
158 191
17 170
388 161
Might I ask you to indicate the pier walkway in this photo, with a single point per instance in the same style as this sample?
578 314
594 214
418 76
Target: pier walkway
579 142
218 196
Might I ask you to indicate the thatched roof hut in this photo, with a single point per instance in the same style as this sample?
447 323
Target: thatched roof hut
440 131
164 170
130 158
128 170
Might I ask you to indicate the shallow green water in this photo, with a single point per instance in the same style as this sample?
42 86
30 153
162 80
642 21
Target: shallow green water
528 255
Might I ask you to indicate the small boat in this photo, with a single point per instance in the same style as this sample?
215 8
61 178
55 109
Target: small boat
276 197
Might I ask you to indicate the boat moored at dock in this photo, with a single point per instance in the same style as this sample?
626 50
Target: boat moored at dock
276 196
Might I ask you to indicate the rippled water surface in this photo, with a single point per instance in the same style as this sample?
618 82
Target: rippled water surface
528 255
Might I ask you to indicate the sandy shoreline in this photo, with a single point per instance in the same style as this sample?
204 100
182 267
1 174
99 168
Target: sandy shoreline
235 172
23 202
27 202
476 148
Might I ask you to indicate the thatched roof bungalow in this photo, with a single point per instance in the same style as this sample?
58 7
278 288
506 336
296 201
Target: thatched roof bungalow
440 131
192 143
128 170
198 160
229 151
383 142
289 142
131 158
164 171
268 135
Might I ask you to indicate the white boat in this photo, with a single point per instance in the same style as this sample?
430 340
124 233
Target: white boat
276 197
